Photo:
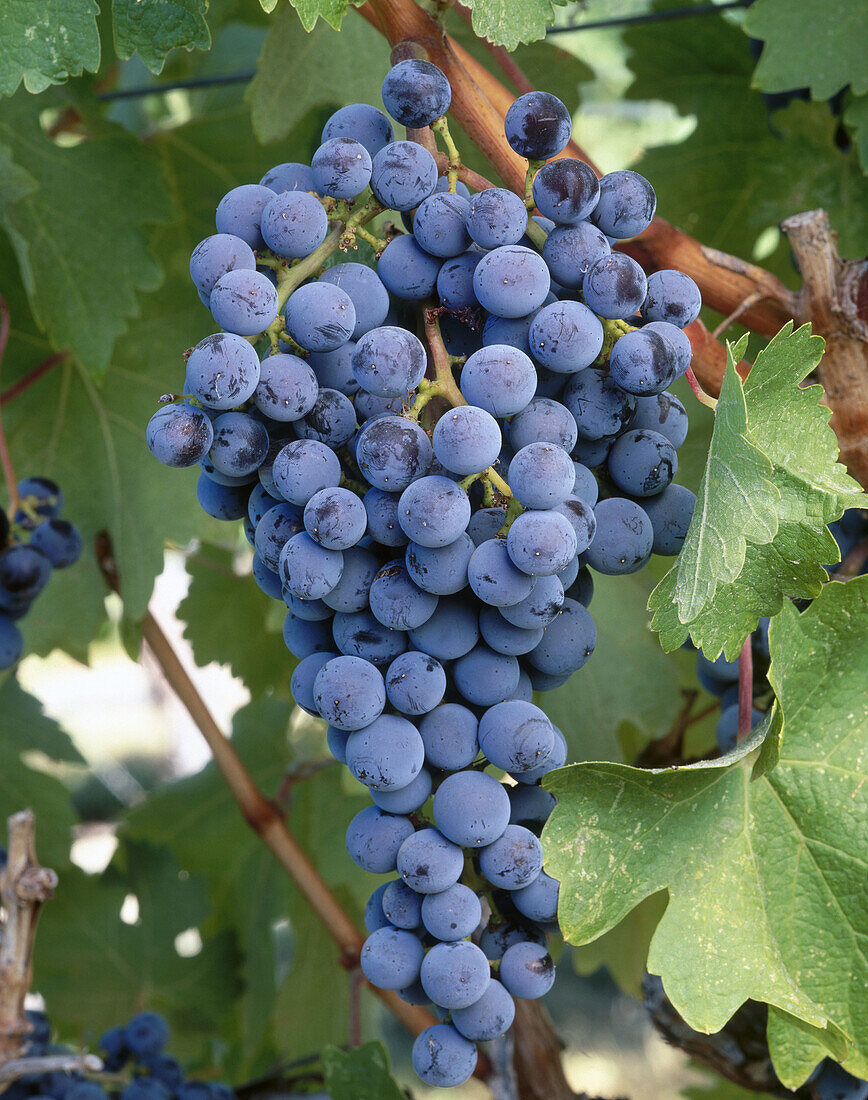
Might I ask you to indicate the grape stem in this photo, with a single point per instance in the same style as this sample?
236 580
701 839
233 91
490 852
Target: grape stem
445 380
698 392
5 457
533 166
745 689
441 126
33 376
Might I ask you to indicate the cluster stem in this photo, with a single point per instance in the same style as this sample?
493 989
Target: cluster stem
441 126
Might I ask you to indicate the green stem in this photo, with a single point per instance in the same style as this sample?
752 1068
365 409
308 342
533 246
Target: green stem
425 392
441 126
513 510
533 166
360 217
535 231
443 376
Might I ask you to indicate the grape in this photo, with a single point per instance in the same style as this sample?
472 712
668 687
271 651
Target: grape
511 281
369 297
44 497
407 799
382 512
146 1034
541 475
543 421
466 440
215 256
493 577
332 420
570 250
408 271
179 435
624 537
672 296
235 480
512 861
58 540
335 518
225 502
303 637
303 467
568 642
334 369
539 608
456 974
484 677
585 486
449 736
287 388
350 594
274 530
499 379
626 206
511 331
527 970
438 225
391 958
402 906
566 190
309 570
362 122
582 589
320 316
243 302
289 177
593 452
537 126
670 513
489 1017
614 286
485 523
314 611
428 862
680 343
539 900
662 413
387 755
415 683
359 634
259 503
433 511
389 361
442 1057
530 805
349 693
341 168
374 837
642 463
240 211
471 809
240 444
396 601
440 569
452 914
833 1082
415 93
404 174
294 224
11 642
455 282
643 362
515 736
496 217
581 517
566 337
541 543
726 731
599 407
374 916
223 371
568 575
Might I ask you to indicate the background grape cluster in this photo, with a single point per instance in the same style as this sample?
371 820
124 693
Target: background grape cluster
434 542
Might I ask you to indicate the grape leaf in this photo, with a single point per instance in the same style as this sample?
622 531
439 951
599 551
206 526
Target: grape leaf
856 117
45 43
593 705
25 725
338 68
740 172
510 22
623 950
80 237
735 503
359 1074
801 50
764 885
332 11
153 29
791 427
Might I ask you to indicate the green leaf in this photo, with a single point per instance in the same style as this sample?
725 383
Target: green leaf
735 503
856 117
623 950
721 1089
337 68
359 1074
80 237
25 725
593 706
764 883
226 616
738 175
332 11
801 50
510 22
153 29
44 43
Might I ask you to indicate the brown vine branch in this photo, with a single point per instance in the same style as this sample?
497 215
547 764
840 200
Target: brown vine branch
49 1063
24 887
33 376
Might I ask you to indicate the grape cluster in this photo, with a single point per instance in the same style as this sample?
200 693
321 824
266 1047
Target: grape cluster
34 541
139 1046
431 532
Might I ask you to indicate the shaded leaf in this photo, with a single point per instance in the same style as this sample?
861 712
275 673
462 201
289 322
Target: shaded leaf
359 1074
623 950
510 22
47 42
155 28
332 11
